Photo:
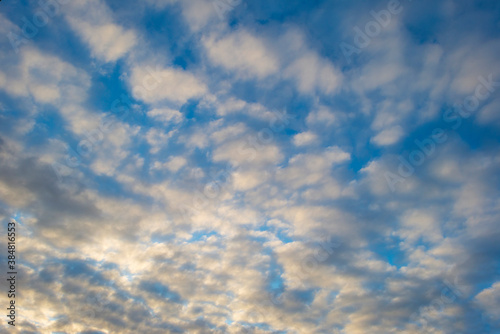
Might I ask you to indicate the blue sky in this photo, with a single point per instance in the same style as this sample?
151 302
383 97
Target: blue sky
233 166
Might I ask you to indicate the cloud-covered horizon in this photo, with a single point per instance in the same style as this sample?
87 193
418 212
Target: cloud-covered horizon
227 166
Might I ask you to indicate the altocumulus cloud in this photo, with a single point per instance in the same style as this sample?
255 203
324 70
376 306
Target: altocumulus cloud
173 170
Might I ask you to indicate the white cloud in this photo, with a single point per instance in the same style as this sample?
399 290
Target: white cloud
197 13
228 132
165 85
305 138
321 116
112 150
232 105
175 163
46 78
158 139
388 136
166 115
311 169
311 74
242 152
108 42
489 300
489 113
246 180
243 53
93 22
420 224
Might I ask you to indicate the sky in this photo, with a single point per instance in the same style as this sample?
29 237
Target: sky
237 166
